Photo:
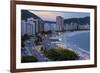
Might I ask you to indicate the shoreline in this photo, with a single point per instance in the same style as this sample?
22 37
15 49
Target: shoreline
84 54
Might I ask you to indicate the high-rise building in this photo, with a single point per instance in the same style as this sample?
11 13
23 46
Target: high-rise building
60 23
50 25
31 23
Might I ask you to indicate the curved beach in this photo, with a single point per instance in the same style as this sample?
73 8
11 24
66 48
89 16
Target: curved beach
78 41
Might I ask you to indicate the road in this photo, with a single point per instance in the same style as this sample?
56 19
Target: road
31 50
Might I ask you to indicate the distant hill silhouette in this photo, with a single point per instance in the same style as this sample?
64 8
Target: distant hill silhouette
81 21
26 14
50 22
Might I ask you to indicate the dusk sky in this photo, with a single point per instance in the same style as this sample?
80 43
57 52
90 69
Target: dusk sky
51 15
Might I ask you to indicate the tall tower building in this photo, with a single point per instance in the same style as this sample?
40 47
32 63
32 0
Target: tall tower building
60 23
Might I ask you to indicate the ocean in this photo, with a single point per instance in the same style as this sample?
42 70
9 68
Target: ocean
78 39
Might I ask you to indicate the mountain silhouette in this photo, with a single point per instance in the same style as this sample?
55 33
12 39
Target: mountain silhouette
81 21
26 14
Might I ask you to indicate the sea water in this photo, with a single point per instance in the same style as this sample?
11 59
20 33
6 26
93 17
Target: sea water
79 39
